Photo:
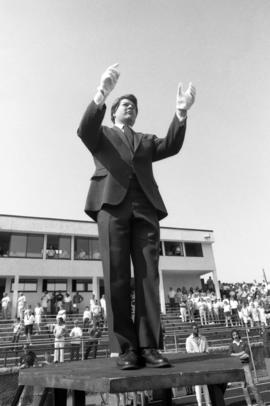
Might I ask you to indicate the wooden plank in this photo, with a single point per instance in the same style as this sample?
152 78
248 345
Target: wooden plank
102 375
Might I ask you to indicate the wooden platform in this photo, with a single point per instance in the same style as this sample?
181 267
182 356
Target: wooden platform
102 376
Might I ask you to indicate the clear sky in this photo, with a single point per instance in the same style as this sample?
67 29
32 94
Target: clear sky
52 54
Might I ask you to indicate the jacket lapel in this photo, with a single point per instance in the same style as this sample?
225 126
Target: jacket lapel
121 140
137 140
120 135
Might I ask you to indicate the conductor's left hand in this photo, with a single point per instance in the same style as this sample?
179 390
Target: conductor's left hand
184 100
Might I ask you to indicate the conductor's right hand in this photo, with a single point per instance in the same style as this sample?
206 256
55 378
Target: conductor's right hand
108 80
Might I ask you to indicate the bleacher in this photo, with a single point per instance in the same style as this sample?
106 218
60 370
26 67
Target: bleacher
174 330
44 341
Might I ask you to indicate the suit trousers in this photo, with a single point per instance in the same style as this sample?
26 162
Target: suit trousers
130 231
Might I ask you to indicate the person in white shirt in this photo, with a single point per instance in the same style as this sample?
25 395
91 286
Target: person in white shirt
21 305
5 305
197 343
262 316
86 318
61 313
76 335
171 296
216 309
45 299
38 314
103 308
227 312
59 332
96 313
202 310
28 320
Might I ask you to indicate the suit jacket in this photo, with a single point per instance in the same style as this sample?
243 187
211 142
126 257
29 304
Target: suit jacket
116 163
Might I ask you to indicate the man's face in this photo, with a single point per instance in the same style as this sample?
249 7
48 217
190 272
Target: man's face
195 331
126 112
235 336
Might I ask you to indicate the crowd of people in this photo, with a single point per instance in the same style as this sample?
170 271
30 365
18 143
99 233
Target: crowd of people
87 327
241 304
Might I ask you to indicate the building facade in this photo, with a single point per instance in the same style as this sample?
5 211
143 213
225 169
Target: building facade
47 254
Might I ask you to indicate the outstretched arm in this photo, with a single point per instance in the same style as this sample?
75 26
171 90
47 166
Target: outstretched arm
172 143
89 129
184 100
108 81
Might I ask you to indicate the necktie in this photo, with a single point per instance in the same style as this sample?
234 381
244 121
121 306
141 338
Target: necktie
130 137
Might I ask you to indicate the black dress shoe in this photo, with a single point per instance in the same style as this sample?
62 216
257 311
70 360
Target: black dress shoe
128 360
152 358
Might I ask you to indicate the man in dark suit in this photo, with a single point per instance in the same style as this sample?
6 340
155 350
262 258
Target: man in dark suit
125 201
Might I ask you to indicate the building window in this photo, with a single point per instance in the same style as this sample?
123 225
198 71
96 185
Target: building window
25 285
193 249
82 285
173 248
34 246
21 245
86 248
58 247
17 247
4 244
54 285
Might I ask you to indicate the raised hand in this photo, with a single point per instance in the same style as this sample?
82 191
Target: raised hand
184 100
109 79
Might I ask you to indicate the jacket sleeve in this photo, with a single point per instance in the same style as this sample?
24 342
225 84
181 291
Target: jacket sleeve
90 129
172 143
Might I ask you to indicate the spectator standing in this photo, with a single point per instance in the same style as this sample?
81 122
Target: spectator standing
183 311
68 303
171 296
254 314
190 309
59 332
227 313
240 315
202 311
92 344
54 309
210 284
21 302
38 315
17 330
5 305
103 308
76 335
262 316
28 320
197 343
76 300
92 302
59 299
86 318
45 301
216 310
61 313
96 313
210 313
234 307
246 314
239 349
178 296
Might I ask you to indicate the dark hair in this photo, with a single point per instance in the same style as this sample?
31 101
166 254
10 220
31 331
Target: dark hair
116 103
235 331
